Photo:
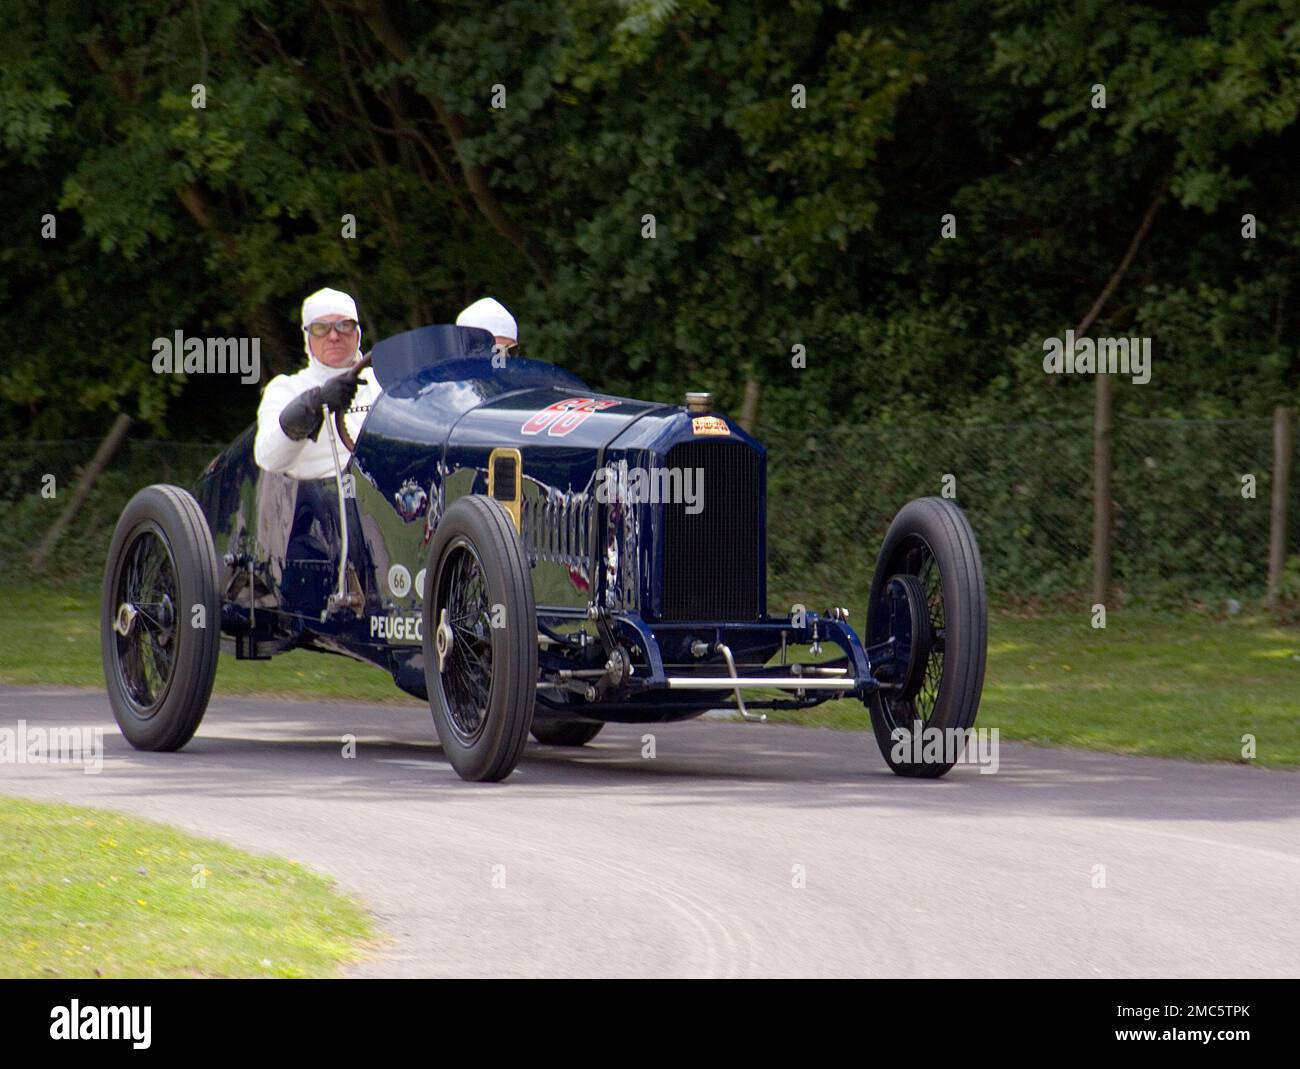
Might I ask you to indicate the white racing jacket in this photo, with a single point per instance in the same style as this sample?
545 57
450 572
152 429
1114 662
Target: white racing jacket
311 458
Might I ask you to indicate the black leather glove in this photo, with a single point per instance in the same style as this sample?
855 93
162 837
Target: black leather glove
338 392
301 418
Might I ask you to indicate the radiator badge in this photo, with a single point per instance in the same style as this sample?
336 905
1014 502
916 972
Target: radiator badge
710 425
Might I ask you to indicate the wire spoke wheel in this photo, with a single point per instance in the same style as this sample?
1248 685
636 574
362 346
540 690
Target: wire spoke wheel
160 618
932 541
917 558
467 673
480 639
145 620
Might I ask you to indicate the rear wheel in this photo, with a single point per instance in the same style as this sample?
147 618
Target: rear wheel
160 618
480 639
928 594
564 732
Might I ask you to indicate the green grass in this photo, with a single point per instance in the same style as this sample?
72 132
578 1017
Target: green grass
51 636
1170 684
86 893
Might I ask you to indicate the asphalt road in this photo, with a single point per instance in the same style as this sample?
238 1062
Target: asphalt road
601 862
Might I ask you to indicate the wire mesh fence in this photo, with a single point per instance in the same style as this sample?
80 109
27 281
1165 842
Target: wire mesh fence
1188 522
37 479
1190 499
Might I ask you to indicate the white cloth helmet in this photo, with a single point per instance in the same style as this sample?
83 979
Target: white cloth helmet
491 315
328 302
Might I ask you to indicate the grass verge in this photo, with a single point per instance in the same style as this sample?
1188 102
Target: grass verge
86 893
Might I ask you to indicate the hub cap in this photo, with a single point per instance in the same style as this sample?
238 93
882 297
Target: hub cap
914 557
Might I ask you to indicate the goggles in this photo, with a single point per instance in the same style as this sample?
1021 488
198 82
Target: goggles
345 327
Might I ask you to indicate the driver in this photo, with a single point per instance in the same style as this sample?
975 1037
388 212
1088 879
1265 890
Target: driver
290 438
487 313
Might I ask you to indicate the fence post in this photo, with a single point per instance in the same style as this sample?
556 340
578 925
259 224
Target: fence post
1102 426
1282 447
749 406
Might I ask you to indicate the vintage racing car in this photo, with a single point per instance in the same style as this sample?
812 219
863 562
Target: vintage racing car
528 554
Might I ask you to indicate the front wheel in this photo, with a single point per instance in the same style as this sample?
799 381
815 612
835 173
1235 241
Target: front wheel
928 595
480 639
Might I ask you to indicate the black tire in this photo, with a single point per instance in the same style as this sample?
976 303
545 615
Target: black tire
564 732
931 539
483 703
159 667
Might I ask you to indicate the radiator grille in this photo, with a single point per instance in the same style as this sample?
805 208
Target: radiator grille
711 559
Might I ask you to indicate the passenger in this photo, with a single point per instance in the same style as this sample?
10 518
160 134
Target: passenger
289 419
491 315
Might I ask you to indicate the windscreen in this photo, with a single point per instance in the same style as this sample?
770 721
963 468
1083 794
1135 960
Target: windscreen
400 356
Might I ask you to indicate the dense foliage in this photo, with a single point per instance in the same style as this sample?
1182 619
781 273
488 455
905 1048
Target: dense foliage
774 225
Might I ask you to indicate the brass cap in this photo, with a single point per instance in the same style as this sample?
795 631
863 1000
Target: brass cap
699 401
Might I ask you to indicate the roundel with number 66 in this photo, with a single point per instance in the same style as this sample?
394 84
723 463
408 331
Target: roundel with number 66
564 416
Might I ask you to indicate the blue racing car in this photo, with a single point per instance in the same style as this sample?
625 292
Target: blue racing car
528 554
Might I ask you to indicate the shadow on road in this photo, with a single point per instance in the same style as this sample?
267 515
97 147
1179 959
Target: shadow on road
260 749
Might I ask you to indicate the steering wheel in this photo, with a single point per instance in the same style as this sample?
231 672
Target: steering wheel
340 425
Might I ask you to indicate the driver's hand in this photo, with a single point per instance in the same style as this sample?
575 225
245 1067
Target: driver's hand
301 418
338 392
